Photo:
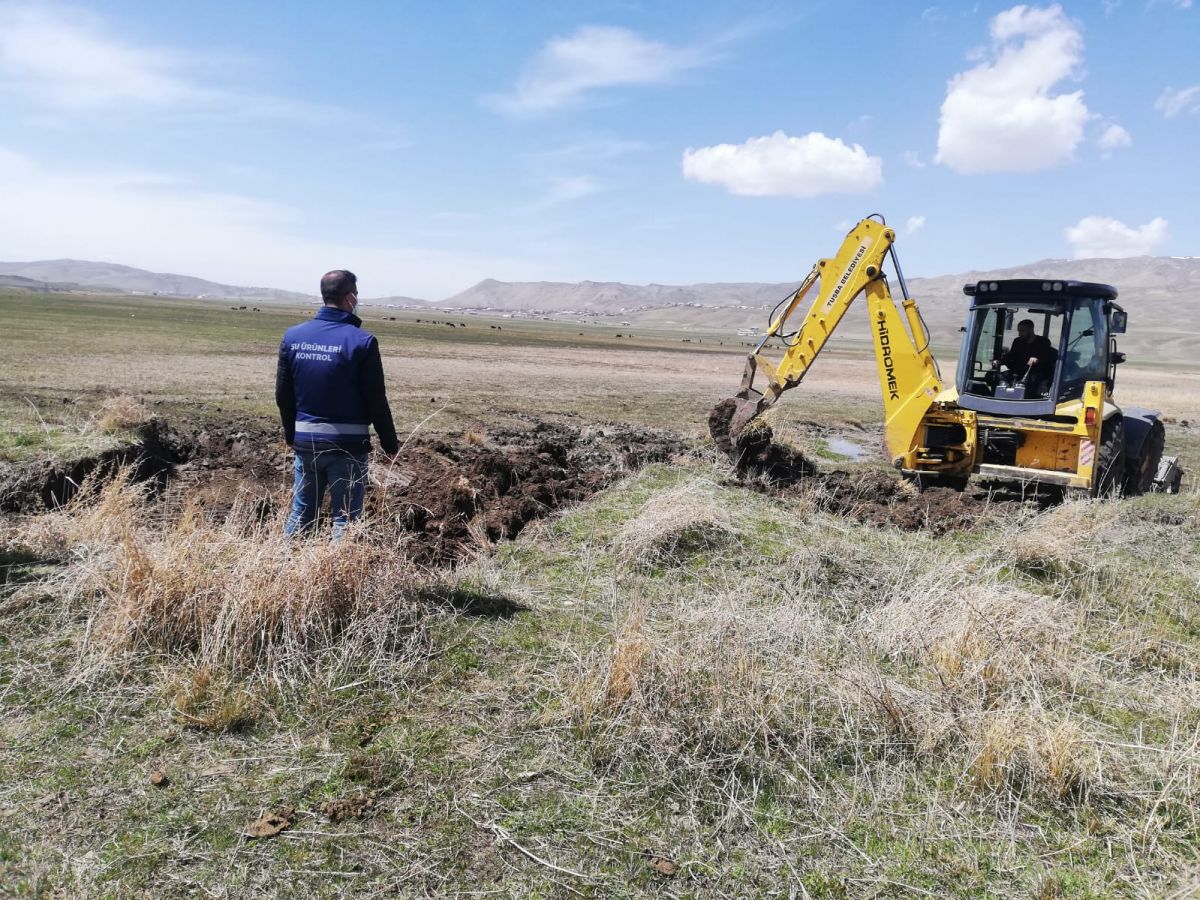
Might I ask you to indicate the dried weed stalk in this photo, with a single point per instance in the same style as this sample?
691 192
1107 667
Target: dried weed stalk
120 413
234 595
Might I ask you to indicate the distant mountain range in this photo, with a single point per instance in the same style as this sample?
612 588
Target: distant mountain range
1162 295
97 277
1140 276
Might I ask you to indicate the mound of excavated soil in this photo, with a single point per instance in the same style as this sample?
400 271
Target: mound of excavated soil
877 498
443 495
871 497
440 500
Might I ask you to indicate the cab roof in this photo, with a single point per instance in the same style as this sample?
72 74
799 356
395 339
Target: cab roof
999 289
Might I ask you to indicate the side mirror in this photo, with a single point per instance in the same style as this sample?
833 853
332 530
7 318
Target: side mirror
1117 358
1117 321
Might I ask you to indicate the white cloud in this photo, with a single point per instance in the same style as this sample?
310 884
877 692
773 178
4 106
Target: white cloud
1100 237
1114 137
780 165
594 57
913 159
64 59
914 224
161 223
1173 102
1001 115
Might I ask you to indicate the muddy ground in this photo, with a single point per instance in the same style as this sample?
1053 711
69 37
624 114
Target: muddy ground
868 496
442 499
447 496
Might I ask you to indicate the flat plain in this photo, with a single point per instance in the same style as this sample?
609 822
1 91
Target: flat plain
676 681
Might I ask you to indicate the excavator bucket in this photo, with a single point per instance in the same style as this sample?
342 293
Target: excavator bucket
729 418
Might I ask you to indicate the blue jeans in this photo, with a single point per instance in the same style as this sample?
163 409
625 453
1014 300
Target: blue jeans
343 473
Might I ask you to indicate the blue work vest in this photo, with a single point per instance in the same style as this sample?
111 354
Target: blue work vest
327 355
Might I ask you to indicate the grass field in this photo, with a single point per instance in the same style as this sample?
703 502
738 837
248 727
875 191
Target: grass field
677 688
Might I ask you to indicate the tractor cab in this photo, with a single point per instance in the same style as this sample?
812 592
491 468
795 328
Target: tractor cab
1030 345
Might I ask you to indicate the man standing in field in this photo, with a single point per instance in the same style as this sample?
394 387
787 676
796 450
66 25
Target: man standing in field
329 390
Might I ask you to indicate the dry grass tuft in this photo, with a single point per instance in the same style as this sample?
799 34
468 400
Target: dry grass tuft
100 513
676 527
211 701
628 662
1017 750
235 595
866 649
1049 547
120 413
690 690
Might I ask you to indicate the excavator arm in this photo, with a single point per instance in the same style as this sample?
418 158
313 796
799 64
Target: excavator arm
908 374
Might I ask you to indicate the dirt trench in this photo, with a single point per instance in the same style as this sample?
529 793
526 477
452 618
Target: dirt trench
151 458
444 497
868 496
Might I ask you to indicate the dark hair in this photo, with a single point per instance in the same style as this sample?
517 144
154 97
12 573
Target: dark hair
337 284
1028 322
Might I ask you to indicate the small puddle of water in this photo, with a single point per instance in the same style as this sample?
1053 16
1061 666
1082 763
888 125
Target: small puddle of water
846 448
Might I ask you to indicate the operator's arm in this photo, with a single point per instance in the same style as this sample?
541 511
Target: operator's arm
377 402
285 395
1016 356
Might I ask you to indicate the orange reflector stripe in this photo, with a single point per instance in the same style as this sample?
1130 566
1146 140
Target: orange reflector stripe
1089 417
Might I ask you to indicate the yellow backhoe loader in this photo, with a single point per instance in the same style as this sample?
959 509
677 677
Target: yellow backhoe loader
1032 402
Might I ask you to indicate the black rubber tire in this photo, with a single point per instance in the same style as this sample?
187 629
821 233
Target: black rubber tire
1110 458
1139 473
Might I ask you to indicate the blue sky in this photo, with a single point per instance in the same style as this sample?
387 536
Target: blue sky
427 146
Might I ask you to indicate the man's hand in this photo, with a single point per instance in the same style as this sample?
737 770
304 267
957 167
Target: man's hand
1032 361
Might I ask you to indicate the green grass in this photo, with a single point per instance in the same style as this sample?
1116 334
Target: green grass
679 668
487 740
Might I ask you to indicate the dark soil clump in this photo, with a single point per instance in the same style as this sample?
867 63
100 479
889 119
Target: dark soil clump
152 458
445 498
870 496
720 417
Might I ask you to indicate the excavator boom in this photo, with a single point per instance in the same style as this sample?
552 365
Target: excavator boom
908 374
